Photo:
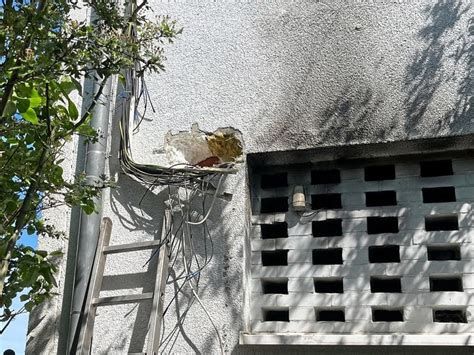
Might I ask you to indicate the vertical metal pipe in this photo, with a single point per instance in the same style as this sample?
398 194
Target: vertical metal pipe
89 224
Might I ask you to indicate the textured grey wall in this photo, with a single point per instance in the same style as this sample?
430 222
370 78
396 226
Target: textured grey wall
290 75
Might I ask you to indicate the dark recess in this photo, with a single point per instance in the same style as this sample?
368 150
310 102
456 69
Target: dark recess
439 194
276 315
377 225
389 285
448 252
328 286
271 181
446 284
326 201
275 286
327 228
327 256
384 254
319 177
441 223
449 316
274 205
436 168
384 315
330 316
276 230
379 172
380 198
275 258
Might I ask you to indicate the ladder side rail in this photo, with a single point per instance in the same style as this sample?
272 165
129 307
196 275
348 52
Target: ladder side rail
156 316
87 326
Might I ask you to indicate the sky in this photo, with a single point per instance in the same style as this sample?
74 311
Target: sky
14 336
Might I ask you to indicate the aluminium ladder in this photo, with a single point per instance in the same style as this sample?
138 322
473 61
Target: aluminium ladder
93 299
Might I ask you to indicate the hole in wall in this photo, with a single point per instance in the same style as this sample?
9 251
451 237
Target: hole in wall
439 194
271 181
385 284
387 315
380 198
446 283
326 201
276 315
275 257
436 168
328 285
449 316
377 225
441 223
384 254
327 228
273 231
330 256
379 172
274 205
445 252
326 315
275 286
319 177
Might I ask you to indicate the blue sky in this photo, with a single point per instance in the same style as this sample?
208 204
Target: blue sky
15 335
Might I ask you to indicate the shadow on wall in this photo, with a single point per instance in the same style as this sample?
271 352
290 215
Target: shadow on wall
428 71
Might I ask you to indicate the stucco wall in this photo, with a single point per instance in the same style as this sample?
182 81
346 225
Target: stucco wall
288 75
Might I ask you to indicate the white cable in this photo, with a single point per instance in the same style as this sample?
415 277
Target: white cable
210 207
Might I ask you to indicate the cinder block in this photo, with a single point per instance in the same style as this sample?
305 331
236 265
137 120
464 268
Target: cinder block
257 326
358 313
355 256
302 242
299 256
256 257
410 197
359 298
415 284
353 200
299 229
262 244
414 252
298 313
440 299
402 299
255 232
354 225
275 192
442 237
417 314
301 285
353 174
407 170
463 166
361 283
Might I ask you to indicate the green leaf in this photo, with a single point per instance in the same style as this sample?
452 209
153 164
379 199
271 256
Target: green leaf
72 110
29 306
24 297
56 253
30 116
31 229
35 99
10 108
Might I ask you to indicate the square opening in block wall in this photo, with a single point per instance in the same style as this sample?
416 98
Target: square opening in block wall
330 315
328 285
379 225
446 283
444 252
379 172
276 315
275 286
449 316
385 284
273 231
441 223
439 194
272 181
436 168
275 257
327 228
387 315
274 205
319 177
332 256
384 254
326 201
380 198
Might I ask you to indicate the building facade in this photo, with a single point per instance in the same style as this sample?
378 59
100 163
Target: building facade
363 105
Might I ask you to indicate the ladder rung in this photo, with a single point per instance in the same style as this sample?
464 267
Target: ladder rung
121 248
102 301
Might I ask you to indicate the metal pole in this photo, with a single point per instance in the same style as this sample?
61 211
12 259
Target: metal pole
89 224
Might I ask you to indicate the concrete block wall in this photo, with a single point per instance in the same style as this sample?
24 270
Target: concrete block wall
416 301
